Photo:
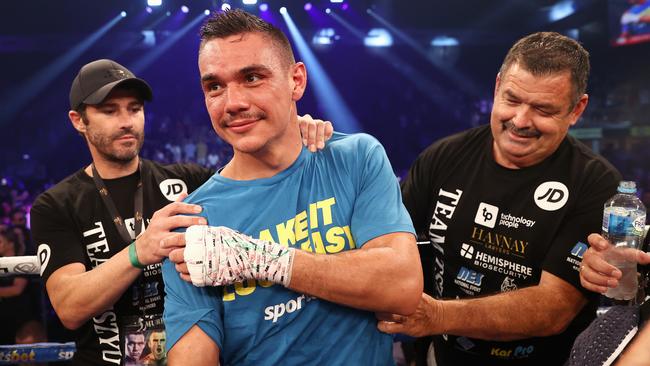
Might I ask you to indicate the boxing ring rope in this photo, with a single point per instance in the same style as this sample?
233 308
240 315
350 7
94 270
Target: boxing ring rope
35 352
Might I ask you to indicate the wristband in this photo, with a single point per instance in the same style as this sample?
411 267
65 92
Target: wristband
133 257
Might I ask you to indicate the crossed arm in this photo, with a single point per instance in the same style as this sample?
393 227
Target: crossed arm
541 310
383 275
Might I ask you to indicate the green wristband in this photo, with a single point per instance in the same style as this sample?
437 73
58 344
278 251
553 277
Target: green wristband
133 257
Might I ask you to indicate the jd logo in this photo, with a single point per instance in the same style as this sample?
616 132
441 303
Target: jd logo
43 256
172 188
551 196
486 215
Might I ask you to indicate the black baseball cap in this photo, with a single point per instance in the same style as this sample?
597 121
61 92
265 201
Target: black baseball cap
97 79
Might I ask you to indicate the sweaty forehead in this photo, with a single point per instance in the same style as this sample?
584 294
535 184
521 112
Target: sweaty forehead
235 52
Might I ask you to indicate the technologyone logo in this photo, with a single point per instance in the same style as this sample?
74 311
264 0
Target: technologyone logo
486 215
551 196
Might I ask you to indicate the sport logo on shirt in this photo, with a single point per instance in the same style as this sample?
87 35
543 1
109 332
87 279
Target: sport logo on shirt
486 215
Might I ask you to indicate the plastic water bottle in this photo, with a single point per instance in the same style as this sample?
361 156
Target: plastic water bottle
623 225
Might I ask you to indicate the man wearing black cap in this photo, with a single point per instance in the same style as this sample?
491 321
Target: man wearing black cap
113 212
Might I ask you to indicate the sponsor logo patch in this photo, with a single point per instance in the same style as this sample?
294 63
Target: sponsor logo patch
172 188
551 196
486 215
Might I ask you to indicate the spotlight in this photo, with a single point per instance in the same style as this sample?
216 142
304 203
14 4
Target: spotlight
264 7
336 1
169 13
206 11
185 9
308 7
378 37
154 2
249 2
324 36
123 14
225 7
283 10
328 10
149 10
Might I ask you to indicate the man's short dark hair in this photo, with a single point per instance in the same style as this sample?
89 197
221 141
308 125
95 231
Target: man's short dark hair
237 21
546 53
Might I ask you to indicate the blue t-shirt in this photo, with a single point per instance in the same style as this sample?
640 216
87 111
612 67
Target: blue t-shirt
327 202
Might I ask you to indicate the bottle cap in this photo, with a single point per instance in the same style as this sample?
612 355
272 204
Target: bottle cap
627 186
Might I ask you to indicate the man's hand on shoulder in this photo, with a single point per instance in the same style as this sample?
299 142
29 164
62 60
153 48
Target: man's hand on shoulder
314 132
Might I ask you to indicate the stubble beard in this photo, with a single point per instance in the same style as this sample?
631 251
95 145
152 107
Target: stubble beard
120 155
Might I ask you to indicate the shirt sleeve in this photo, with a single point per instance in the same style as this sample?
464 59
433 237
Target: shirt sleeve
58 243
570 243
187 305
378 207
416 191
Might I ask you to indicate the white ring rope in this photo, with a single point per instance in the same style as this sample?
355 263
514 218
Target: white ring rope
21 265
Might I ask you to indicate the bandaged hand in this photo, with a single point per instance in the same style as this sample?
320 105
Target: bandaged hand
217 255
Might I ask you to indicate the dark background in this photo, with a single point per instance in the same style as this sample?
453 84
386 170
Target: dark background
407 95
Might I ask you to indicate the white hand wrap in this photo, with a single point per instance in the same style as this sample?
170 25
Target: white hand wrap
219 255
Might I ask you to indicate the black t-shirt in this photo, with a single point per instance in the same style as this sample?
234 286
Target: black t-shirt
70 224
495 229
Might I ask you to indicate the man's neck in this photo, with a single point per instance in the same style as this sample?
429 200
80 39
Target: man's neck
264 164
113 170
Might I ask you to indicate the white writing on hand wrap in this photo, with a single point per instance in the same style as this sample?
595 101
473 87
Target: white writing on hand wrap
217 255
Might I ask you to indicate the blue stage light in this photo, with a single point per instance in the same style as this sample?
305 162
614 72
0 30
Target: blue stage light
308 6
378 37
283 10
154 2
336 1
324 36
123 14
206 11
225 7
561 10
185 9
444 41
264 7
249 2
149 10
328 10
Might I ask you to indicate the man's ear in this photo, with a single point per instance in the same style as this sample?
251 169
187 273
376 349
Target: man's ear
578 109
299 80
77 121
